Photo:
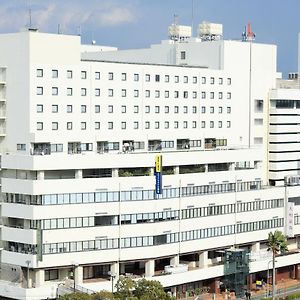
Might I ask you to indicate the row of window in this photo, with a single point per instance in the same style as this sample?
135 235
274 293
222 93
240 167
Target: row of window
136 109
168 215
136 93
136 125
169 238
134 195
136 77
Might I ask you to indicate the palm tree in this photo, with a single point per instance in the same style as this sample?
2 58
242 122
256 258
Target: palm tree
277 243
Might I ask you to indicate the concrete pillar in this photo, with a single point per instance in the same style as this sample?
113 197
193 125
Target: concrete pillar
293 272
39 278
255 247
206 168
40 175
150 268
151 171
122 268
115 270
215 286
203 259
174 291
115 172
297 271
232 167
78 276
176 170
174 261
78 174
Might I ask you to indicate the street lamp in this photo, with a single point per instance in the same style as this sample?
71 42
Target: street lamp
112 276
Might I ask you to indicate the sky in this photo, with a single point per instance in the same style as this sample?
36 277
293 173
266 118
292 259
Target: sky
140 23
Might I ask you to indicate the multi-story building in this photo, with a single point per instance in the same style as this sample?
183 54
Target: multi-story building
81 128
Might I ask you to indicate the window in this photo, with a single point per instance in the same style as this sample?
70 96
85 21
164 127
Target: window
97 109
39 125
202 124
51 274
185 94
136 77
69 125
97 92
203 80
54 125
39 72
166 125
175 124
147 125
136 93
110 76
220 110
123 125
39 108
167 109
123 109
203 109
185 124
182 54
194 79
194 124
157 94
185 109
176 94
157 78
136 109
39 90
147 93
220 80
166 94
83 109
69 108
185 79
110 93
83 91
229 95
21 147
97 75
123 93
157 109
176 79
228 109
211 109
167 78
110 109
211 124
220 95
212 80
69 74
220 124
97 125
83 74
228 81
147 109
56 148
156 124
110 125
228 124
147 77
194 95
69 91
54 73
135 125
54 91
203 95
212 95
194 109
83 125
176 109
123 76
54 108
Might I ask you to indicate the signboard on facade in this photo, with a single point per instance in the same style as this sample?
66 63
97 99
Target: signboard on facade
290 219
158 174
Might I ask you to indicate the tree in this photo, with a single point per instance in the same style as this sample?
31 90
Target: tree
125 287
76 296
103 295
277 243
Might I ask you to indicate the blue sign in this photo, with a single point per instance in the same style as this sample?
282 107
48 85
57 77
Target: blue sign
158 183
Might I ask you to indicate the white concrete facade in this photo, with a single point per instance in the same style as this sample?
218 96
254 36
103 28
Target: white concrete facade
81 128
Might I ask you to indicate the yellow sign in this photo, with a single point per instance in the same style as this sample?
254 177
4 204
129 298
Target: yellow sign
158 163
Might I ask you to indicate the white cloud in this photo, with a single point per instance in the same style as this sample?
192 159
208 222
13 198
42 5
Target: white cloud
116 16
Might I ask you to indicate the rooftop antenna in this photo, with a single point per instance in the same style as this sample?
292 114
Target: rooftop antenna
30 21
79 30
58 29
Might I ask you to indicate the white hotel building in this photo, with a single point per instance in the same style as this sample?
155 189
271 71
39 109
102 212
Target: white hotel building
80 127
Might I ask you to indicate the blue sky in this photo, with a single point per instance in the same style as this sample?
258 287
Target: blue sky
139 23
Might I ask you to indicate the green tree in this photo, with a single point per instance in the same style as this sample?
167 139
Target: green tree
76 296
103 295
277 243
125 287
